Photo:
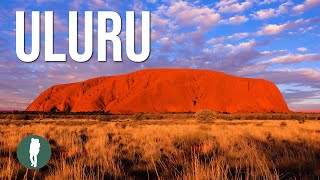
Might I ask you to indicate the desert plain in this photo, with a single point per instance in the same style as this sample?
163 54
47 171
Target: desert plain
179 146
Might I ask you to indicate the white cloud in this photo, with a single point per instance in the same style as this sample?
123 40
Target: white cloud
233 7
273 29
302 49
267 2
248 45
269 13
165 41
179 15
311 73
283 8
235 20
291 58
186 14
97 3
224 3
151 1
308 4
265 14
220 40
240 47
238 36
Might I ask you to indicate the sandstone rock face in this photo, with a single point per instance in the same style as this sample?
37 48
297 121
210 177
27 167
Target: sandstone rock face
163 90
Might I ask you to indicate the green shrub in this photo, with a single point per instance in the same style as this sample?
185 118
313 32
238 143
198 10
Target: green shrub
205 115
18 116
138 116
298 116
312 117
228 118
264 116
251 117
103 117
280 117
41 116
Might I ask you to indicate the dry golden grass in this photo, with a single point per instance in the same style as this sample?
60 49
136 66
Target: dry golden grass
167 149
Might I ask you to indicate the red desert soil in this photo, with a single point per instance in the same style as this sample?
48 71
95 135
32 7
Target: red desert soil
164 90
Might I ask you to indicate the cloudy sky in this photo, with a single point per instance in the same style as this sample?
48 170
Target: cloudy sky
277 40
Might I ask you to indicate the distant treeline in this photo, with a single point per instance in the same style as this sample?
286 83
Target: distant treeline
106 116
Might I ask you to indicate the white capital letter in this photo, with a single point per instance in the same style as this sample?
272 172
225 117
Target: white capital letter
103 35
49 46
130 46
73 36
20 41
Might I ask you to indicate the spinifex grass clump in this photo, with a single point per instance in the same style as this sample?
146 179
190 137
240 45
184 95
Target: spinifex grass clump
205 115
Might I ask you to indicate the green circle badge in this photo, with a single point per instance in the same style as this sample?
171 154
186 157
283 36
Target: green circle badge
34 152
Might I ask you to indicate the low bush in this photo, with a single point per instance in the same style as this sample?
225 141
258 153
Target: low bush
283 124
138 116
3 116
264 116
18 117
153 116
205 115
103 117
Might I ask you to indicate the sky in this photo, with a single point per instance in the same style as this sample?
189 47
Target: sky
276 40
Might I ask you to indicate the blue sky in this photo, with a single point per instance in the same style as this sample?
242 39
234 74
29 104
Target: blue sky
277 40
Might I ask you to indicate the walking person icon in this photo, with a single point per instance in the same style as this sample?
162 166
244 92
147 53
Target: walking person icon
34 151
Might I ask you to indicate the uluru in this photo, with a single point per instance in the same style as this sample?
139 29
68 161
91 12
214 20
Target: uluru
163 90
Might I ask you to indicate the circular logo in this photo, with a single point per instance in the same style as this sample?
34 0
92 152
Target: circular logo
34 152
